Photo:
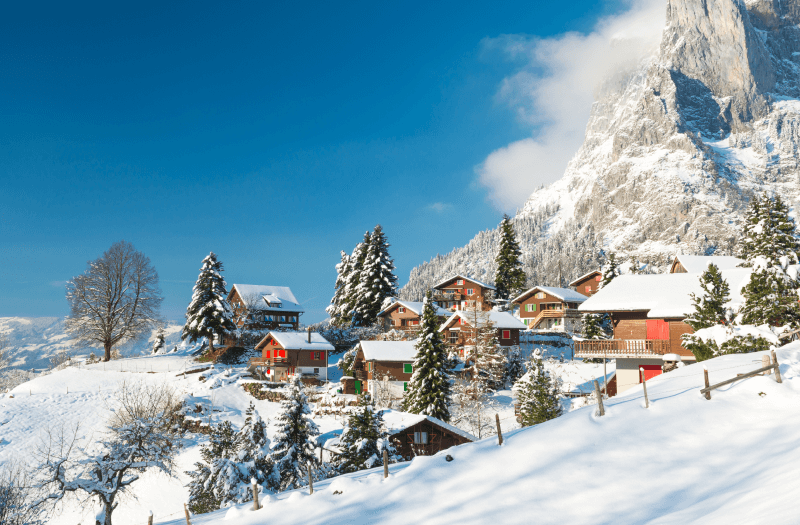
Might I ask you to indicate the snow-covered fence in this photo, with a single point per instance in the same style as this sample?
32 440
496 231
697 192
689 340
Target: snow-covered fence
774 366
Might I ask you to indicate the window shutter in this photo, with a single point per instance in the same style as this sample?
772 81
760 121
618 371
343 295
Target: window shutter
408 368
405 386
598 278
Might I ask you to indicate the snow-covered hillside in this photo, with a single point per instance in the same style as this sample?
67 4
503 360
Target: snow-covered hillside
673 149
733 459
34 340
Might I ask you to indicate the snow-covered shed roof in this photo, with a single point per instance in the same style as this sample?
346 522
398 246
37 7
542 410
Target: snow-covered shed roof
565 294
397 421
415 307
699 263
584 276
389 350
280 295
499 319
660 295
299 341
459 276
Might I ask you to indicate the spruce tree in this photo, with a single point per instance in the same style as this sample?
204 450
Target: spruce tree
429 389
209 314
158 344
363 440
377 281
254 454
610 270
709 310
485 361
538 395
509 278
293 451
211 486
353 305
754 216
514 366
595 326
339 300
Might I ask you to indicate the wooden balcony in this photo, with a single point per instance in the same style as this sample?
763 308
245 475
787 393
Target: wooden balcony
613 348
268 361
447 297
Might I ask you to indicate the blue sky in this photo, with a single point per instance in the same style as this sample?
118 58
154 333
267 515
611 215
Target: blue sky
273 133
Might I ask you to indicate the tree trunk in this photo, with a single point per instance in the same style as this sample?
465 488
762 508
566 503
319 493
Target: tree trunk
107 347
211 345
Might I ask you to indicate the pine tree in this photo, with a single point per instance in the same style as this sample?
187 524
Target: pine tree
709 310
596 326
754 216
429 389
538 395
509 278
485 361
610 270
514 367
254 455
209 486
349 306
363 440
209 315
293 451
339 300
158 344
377 281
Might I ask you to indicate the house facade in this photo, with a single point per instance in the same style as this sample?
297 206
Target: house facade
260 307
286 354
406 315
459 330
420 435
382 368
550 309
588 284
460 293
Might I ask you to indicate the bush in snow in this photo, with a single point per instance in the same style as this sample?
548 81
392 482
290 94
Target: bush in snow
158 344
509 278
364 440
15 496
538 395
209 315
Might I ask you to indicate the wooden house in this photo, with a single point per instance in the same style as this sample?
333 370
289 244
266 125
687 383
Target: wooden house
699 263
406 315
259 307
384 366
285 354
420 435
460 293
551 309
459 330
588 284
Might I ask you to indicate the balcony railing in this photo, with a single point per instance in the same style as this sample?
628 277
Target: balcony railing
268 361
612 348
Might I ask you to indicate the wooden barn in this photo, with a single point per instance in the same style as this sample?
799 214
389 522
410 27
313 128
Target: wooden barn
419 435
588 283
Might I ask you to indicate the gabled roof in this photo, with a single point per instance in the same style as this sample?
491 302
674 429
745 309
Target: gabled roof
699 263
565 294
395 351
459 276
397 421
271 294
499 319
299 341
584 276
415 307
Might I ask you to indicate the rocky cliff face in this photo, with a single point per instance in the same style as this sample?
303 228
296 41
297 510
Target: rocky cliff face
674 151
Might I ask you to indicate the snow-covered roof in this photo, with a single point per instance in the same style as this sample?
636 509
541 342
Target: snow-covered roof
660 295
699 263
459 276
397 421
565 294
499 319
281 295
415 307
389 350
299 341
584 276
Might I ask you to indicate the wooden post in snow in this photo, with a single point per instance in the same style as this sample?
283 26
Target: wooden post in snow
765 361
644 387
708 384
150 518
385 464
777 368
599 398
499 432
254 486
310 481
186 511
605 374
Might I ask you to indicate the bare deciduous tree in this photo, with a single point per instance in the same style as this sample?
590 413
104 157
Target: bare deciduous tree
115 300
15 496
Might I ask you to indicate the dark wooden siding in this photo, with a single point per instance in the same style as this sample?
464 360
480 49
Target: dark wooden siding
676 329
590 281
629 325
439 439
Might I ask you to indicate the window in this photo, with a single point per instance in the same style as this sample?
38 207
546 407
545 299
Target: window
420 438
316 356
273 342
415 322
402 309
588 288
598 278
470 291
369 367
526 321
316 370
281 353
506 334
269 354
530 307
539 295
460 282
453 338
408 368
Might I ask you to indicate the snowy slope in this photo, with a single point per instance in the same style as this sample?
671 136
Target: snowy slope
733 459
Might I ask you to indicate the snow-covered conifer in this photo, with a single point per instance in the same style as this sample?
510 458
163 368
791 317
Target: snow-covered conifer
253 455
158 344
363 440
209 315
377 281
538 395
514 367
509 278
429 389
293 450
610 270
339 300
485 361
215 480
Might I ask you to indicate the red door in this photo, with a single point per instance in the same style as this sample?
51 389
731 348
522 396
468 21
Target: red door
650 371
657 329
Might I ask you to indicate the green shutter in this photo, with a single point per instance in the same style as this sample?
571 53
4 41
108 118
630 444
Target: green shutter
407 368
405 387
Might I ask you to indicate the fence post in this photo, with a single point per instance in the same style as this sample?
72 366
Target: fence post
644 387
777 368
708 384
499 432
310 481
599 398
150 518
765 361
186 511
256 506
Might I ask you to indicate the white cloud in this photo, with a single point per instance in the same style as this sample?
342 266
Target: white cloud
439 207
554 92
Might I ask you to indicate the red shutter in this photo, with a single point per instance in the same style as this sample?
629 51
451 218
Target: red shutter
281 353
598 278
506 334
269 354
657 329
650 371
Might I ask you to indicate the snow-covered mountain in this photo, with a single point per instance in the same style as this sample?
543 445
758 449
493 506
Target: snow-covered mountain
673 148
34 340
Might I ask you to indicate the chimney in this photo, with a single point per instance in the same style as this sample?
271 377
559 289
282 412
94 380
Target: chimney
309 334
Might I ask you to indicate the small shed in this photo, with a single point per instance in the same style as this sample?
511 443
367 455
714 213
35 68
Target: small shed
420 435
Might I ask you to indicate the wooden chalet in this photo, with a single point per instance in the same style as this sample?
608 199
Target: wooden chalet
406 315
381 365
420 435
699 263
588 284
551 309
285 354
460 293
259 307
459 330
